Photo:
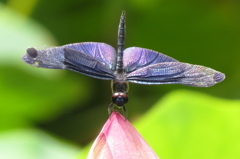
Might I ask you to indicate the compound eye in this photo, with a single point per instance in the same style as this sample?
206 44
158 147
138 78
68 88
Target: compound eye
119 98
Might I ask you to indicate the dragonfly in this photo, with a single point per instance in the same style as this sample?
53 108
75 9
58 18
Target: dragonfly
133 64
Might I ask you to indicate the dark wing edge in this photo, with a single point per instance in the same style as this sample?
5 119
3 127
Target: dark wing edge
86 64
176 73
51 58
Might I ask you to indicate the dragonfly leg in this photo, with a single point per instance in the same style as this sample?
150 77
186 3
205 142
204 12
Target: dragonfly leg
110 108
124 111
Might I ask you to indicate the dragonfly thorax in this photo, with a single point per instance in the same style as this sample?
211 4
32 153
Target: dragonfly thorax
119 86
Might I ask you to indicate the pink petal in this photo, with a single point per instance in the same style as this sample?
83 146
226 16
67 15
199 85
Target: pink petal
120 140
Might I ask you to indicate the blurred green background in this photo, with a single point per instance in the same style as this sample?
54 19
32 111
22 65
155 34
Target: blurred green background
56 114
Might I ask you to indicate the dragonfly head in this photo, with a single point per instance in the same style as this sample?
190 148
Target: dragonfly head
119 98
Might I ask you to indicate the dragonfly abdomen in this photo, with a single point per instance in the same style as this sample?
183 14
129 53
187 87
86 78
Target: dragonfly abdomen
121 37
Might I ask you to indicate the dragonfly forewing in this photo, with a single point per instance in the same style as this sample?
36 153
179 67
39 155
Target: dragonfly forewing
86 64
104 53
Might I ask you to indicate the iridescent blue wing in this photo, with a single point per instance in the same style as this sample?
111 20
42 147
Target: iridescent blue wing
101 56
86 64
135 58
176 73
102 52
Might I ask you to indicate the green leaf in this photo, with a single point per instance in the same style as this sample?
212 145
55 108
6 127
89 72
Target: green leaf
34 144
187 125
